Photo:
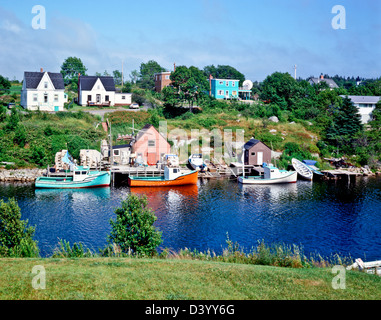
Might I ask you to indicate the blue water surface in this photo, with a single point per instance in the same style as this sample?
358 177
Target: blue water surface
320 217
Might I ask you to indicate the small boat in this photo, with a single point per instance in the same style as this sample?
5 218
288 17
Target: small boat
172 177
311 164
81 177
197 162
271 175
302 169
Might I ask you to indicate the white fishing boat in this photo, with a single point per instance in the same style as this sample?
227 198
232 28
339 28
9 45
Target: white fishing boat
271 175
197 162
302 169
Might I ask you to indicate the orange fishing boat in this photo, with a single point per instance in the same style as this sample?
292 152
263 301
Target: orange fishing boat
172 177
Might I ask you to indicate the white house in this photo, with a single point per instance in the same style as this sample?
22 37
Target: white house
365 105
100 91
43 91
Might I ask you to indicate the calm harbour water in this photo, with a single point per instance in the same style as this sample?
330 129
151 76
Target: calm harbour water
321 217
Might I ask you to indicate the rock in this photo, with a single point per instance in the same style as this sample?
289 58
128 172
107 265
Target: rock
274 119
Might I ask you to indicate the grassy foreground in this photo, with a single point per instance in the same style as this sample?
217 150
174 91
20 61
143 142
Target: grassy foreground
176 279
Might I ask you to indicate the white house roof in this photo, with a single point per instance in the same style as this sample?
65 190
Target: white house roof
33 79
364 99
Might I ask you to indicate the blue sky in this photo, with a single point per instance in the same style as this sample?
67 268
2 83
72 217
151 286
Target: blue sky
254 36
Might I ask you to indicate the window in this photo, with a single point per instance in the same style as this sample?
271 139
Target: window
253 153
175 170
116 152
220 92
151 143
123 97
233 83
35 97
107 98
89 97
45 98
234 93
46 85
227 83
167 77
221 82
56 98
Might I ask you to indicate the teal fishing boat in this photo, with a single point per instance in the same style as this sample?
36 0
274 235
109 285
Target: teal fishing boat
81 178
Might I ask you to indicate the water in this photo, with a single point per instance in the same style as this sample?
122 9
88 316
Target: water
322 217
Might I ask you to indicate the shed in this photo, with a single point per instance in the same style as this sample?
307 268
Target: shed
121 154
150 145
256 152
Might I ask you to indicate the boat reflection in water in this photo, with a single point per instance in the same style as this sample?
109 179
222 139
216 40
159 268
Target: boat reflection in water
171 198
79 195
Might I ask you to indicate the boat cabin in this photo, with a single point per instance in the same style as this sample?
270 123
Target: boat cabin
271 172
171 173
80 173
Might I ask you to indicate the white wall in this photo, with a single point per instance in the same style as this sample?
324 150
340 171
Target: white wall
119 100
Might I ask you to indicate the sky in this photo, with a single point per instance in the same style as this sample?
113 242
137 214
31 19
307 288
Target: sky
256 37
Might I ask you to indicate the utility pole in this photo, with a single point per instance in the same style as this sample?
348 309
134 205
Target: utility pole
295 66
122 74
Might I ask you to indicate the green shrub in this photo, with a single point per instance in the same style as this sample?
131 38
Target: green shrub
16 238
64 250
133 230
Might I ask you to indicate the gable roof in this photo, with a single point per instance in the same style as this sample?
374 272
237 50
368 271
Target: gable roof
33 79
144 130
251 143
87 82
363 99
330 82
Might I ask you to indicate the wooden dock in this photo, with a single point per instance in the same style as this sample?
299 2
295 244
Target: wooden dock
340 174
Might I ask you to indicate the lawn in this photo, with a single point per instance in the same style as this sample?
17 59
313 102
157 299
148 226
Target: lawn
176 279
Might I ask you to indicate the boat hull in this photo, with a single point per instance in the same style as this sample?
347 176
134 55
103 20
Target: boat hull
287 178
302 169
186 179
92 181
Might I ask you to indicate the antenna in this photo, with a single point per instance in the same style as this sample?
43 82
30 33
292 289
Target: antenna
295 67
247 84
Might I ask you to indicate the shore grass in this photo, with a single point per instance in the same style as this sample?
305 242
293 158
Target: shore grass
176 279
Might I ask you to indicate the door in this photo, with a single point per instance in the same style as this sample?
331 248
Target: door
98 98
56 108
259 158
151 159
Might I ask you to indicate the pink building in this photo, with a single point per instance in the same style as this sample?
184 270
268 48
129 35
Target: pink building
150 145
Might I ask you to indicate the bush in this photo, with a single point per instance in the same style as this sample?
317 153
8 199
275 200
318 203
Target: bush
15 237
133 230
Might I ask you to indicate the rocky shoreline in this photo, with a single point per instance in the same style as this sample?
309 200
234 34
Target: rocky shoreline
20 175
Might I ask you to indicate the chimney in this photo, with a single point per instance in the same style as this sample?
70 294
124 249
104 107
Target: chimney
41 70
